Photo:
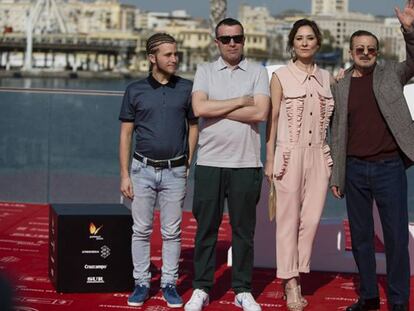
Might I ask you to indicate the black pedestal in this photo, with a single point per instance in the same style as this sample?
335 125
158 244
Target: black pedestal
90 248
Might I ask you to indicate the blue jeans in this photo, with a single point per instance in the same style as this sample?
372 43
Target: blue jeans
168 187
385 182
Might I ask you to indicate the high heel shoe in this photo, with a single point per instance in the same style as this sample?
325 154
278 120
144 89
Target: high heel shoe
293 298
302 299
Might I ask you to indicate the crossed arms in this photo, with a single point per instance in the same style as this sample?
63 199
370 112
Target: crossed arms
243 109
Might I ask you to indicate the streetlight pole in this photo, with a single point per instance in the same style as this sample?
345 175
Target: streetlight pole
29 40
218 10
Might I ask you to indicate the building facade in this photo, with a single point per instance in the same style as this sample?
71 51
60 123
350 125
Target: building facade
329 7
112 24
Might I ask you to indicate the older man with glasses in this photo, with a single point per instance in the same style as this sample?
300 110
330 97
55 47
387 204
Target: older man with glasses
230 97
372 144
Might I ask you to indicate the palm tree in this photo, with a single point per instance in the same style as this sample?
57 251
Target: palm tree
218 9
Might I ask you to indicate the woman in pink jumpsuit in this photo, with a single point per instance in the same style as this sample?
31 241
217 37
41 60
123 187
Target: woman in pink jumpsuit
299 164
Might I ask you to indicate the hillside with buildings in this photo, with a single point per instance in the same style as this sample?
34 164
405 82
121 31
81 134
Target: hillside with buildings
106 35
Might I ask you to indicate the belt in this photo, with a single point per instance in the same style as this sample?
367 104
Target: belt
179 161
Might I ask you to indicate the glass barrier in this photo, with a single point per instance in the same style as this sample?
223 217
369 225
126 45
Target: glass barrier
59 143
24 147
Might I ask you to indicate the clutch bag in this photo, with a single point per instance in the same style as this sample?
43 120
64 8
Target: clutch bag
272 201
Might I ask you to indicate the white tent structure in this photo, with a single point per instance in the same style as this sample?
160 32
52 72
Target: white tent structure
43 17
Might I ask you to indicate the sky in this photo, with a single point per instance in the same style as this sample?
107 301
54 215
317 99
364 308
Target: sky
200 8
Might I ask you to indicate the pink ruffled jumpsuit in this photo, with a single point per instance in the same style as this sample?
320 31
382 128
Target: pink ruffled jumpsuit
302 165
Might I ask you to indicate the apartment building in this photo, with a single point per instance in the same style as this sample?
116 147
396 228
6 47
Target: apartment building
329 7
334 16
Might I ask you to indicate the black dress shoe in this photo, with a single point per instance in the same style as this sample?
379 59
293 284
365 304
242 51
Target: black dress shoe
399 307
365 305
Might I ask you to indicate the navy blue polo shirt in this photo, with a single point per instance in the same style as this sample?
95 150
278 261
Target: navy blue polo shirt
160 114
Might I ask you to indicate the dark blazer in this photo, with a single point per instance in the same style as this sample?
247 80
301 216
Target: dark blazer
388 83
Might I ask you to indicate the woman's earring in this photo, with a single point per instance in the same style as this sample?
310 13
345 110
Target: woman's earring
293 54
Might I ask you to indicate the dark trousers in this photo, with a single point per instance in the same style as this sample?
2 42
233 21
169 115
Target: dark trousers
241 187
384 181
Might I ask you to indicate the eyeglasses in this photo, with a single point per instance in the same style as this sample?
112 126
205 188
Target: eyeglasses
226 39
370 51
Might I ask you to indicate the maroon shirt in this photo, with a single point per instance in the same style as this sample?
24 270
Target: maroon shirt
369 137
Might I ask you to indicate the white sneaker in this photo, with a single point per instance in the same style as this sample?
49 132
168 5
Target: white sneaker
199 299
246 301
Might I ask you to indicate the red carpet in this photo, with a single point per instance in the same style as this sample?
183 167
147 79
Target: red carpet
23 259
